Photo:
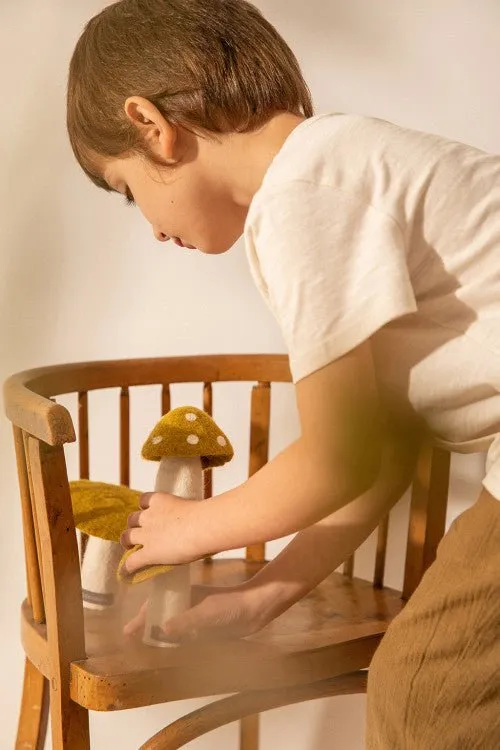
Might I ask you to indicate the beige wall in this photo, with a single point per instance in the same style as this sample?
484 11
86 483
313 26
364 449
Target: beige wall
82 277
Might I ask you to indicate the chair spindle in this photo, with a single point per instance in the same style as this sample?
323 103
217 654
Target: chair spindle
124 436
208 407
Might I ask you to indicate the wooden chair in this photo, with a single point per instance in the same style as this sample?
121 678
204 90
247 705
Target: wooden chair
320 647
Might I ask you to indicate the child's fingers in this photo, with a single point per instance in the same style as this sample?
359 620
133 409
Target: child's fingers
131 537
134 519
185 626
145 499
215 617
136 623
136 561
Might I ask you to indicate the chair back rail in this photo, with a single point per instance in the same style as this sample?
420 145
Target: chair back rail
27 394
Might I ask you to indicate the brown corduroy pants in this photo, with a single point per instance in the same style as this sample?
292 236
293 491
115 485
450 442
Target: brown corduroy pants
434 681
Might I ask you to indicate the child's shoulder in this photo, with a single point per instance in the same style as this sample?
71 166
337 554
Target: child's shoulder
347 133
347 151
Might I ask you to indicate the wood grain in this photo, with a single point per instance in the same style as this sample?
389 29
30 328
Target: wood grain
208 407
26 394
83 434
165 399
124 437
33 577
38 591
83 451
333 630
348 567
249 726
381 553
32 725
34 640
429 501
62 588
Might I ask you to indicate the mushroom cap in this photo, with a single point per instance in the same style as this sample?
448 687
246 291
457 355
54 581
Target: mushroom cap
101 509
187 432
144 574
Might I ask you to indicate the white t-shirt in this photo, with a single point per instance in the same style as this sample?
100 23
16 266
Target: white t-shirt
362 229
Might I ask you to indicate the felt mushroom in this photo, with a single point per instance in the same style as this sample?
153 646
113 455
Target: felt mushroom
185 442
101 510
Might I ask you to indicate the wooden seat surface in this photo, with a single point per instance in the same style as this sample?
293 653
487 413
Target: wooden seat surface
333 630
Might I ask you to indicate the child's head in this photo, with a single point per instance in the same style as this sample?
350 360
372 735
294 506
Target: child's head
167 97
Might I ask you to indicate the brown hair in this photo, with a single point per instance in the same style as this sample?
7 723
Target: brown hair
213 66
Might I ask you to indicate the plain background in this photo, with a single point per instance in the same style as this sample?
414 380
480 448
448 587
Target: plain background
83 278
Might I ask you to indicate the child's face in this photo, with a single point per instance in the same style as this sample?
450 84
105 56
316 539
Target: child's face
188 200
180 203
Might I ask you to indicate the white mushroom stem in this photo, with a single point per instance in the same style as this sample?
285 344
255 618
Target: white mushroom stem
98 572
171 592
180 476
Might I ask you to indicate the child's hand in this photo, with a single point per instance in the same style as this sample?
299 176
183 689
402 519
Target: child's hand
163 528
217 612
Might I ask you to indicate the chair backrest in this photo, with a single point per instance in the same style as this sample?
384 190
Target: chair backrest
429 501
42 427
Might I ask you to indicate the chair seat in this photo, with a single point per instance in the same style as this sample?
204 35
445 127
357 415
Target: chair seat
333 630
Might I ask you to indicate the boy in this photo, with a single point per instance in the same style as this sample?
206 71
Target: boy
378 251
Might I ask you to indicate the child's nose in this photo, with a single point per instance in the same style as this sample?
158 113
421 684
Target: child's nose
160 236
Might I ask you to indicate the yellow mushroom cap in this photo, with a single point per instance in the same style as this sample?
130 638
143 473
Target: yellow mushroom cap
101 509
188 432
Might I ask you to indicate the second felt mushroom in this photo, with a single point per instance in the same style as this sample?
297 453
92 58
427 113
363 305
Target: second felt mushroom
185 442
100 511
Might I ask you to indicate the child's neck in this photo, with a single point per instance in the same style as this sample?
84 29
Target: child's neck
248 156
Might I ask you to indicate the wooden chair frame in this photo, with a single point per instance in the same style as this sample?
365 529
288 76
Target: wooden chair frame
58 670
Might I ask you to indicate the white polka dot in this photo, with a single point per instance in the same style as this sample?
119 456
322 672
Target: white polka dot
157 440
193 439
221 440
190 416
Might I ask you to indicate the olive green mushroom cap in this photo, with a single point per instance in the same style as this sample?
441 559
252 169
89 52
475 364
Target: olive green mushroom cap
102 510
188 432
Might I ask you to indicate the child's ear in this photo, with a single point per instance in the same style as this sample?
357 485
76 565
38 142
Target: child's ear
157 132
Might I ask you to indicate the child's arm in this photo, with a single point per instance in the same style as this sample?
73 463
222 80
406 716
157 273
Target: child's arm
317 551
309 558
335 460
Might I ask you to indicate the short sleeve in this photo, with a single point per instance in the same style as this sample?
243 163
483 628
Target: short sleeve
491 481
332 269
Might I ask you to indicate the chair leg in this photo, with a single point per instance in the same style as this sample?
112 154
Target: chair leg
249 732
250 704
69 721
32 726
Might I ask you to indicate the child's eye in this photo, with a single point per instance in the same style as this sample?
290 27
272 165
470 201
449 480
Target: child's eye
129 198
